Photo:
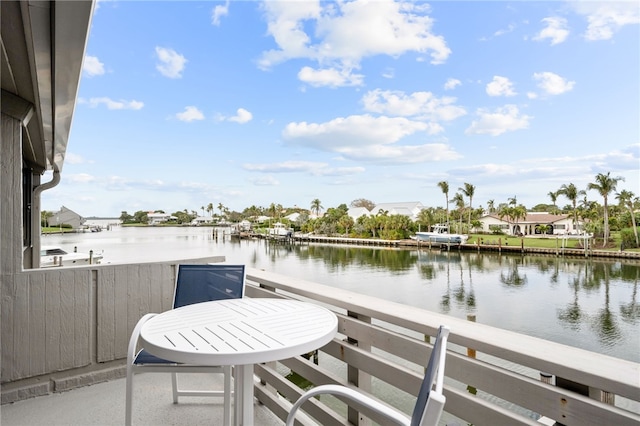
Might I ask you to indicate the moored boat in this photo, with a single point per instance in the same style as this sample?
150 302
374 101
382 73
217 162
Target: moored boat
56 256
279 230
440 234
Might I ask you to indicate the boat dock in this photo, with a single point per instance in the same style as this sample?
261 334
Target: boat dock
494 246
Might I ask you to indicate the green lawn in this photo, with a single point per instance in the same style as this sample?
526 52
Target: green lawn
549 242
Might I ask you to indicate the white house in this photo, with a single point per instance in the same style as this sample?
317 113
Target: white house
561 224
200 220
411 209
156 218
356 212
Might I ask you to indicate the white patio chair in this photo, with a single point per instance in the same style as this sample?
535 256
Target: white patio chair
194 284
429 404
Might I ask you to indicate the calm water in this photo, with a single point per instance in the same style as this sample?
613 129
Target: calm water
589 304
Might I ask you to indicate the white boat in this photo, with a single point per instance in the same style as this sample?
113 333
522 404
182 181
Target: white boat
56 256
440 234
279 230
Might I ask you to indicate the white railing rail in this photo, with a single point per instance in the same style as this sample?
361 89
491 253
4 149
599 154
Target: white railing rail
501 385
69 327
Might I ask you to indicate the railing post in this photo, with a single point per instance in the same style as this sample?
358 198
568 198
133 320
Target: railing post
356 377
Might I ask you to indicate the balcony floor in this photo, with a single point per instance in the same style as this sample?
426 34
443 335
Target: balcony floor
104 403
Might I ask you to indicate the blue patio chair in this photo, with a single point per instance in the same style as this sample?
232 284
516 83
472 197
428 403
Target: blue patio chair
429 404
194 284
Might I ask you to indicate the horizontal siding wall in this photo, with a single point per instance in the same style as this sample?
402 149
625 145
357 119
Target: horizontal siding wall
64 319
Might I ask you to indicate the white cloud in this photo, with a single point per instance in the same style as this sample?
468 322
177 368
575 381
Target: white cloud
505 119
111 104
265 181
339 35
402 154
218 12
361 130
189 114
422 105
367 138
309 167
79 178
171 63
70 158
452 83
553 84
507 30
92 66
605 18
388 73
331 77
500 86
555 30
242 116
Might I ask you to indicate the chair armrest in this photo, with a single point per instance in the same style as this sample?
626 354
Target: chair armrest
135 334
393 416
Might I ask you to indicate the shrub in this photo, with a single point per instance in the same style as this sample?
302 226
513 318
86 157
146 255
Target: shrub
628 238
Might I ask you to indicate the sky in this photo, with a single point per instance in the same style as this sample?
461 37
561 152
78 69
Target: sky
248 103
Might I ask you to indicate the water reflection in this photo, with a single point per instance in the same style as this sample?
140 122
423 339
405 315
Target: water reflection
586 303
576 295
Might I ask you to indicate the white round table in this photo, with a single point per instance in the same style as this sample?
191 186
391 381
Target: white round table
239 332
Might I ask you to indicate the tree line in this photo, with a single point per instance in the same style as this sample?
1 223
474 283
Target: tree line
462 217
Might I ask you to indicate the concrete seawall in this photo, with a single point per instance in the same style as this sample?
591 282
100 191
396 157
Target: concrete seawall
573 252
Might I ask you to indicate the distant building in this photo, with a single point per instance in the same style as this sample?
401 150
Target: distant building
411 209
561 224
66 216
157 218
201 220
356 212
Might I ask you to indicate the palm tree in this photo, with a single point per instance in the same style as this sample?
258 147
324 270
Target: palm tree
628 199
605 185
458 200
209 208
444 186
221 208
202 210
316 206
554 200
468 191
513 201
491 206
571 193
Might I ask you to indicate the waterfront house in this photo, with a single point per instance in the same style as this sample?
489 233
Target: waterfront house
410 209
66 216
67 327
557 224
158 218
356 212
201 220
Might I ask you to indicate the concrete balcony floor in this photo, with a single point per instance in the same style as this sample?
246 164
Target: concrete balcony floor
104 404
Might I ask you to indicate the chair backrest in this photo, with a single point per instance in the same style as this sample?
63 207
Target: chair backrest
207 282
430 402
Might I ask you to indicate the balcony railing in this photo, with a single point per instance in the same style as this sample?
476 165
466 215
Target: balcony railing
70 326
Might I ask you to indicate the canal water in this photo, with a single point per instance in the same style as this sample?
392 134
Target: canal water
586 303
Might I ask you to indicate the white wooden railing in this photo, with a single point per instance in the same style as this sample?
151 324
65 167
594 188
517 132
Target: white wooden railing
381 346
66 327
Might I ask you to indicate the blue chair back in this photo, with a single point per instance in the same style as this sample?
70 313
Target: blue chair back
204 283
429 378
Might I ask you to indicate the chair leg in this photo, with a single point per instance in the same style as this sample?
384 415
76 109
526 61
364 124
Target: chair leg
227 395
174 386
129 396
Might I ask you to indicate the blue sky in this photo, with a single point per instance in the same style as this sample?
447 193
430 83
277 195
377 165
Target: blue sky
186 103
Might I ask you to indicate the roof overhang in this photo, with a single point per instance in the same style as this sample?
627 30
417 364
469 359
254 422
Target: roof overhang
43 45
